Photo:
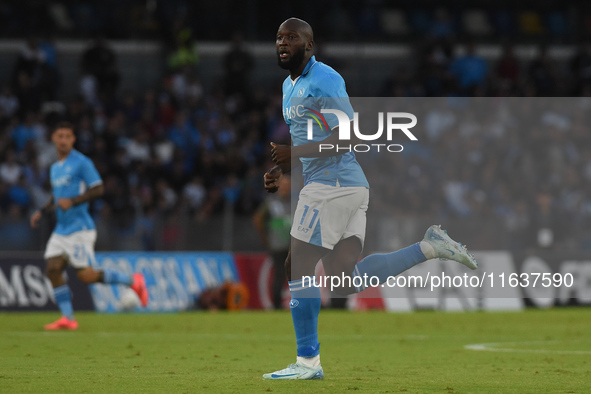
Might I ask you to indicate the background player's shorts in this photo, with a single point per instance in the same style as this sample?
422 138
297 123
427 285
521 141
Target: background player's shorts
326 214
77 248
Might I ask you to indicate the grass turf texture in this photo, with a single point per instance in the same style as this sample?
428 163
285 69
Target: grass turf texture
229 352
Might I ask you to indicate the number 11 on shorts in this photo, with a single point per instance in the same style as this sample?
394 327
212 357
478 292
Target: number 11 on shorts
314 216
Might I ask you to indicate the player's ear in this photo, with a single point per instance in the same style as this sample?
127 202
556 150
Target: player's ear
310 46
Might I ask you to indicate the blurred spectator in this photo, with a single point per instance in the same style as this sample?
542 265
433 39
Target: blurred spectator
49 51
185 136
194 194
15 233
28 95
442 26
166 198
508 66
10 169
24 132
138 148
238 63
185 53
33 79
470 69
186 87
99 61
8 103
19 195
37 182
580 66
543 74
4 198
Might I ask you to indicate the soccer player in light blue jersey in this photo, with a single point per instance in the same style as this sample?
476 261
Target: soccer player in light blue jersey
75 181
329 221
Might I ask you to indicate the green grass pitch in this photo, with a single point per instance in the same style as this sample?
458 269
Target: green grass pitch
536 351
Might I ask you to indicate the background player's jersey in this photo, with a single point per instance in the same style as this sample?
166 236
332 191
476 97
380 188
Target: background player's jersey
319 87
70 178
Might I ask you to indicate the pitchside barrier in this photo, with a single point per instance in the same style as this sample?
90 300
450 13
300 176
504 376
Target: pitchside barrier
504 281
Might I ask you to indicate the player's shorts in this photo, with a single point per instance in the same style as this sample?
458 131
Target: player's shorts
77 248
326 214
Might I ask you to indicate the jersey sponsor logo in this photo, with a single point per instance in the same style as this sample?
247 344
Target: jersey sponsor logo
61 181
293 111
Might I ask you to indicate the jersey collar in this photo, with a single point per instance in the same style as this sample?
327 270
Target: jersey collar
61 162
311 63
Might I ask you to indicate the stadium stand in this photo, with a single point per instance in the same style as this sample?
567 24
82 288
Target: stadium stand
184 152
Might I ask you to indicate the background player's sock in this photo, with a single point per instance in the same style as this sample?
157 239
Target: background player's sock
63 299
305 307
116 277
389 264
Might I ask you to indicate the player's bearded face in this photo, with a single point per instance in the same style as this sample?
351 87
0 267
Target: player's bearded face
294 60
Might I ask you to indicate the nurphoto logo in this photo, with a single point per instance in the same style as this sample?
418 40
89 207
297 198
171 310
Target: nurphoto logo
345 130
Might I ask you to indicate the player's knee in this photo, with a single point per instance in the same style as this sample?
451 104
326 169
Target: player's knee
53 270
87 276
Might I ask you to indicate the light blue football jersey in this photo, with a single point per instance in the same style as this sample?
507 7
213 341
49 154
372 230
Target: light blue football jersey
320 87
70 178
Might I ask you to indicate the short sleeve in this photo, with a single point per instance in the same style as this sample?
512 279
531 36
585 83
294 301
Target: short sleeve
89 174
332 94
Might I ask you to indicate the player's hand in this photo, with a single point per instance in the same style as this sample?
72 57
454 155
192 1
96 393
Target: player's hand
271 179
65 203
281 154
35 217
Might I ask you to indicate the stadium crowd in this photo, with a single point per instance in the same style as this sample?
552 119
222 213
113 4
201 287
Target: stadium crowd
184 150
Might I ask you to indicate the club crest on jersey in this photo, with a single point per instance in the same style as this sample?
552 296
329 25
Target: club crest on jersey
301 92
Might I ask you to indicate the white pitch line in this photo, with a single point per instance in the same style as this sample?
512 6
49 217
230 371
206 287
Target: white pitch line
492 347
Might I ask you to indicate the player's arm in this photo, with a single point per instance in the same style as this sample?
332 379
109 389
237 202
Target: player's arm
91 194
282 154
272 176
46 209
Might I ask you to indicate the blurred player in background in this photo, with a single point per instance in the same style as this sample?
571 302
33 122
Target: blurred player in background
329 221
75 181
273 222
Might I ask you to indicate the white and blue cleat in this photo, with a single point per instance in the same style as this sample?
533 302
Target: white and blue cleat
448 249
296 371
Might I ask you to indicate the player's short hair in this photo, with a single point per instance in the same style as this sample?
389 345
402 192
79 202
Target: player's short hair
63 125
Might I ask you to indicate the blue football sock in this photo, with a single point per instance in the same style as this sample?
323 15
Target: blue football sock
63 299
305 307
116 277
389 264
